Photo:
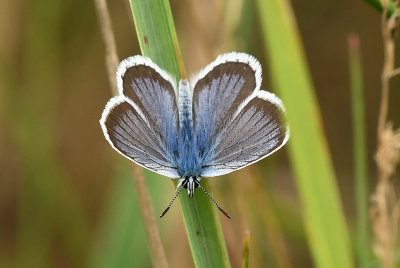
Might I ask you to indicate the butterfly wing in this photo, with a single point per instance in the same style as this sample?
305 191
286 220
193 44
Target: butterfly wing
142 122
236 123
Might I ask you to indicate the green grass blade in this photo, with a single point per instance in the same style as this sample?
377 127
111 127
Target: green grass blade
158 40
323 215
359 153
156 33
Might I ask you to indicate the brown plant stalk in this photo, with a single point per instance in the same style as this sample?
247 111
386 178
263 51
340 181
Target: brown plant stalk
385 208
153 235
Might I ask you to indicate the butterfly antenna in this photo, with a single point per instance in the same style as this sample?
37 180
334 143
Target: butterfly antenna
220 209
172 201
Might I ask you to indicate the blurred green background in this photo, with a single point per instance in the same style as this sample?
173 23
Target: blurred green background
68 200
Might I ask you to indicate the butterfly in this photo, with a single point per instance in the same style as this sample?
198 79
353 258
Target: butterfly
216 123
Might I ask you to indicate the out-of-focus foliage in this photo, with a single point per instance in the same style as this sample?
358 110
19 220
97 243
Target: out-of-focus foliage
323 214
66 198
363 242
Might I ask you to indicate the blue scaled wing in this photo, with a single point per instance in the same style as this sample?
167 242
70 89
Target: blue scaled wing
236 123
141 123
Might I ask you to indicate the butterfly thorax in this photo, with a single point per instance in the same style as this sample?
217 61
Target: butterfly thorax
188 162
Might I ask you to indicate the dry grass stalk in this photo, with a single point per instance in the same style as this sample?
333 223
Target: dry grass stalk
385 208
109 41
153 235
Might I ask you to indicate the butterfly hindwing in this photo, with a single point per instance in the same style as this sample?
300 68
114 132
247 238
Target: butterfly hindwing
255 133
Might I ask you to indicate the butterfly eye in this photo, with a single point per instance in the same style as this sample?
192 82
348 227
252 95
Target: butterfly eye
185 182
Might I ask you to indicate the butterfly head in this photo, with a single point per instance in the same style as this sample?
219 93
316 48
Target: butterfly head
190 183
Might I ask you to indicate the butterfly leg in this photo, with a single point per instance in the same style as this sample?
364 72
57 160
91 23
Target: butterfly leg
179 184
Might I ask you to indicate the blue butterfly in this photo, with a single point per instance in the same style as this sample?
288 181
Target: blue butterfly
217 123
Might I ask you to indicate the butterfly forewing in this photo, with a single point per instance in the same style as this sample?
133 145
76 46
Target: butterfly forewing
218 93
142 122
236 124
154 94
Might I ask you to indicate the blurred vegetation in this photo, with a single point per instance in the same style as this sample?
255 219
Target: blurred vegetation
324 221
67 199
363 242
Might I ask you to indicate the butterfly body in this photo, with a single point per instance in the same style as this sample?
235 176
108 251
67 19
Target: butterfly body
189 161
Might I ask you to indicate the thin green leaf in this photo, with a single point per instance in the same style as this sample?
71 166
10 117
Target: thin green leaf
158 40
359 153
323 215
